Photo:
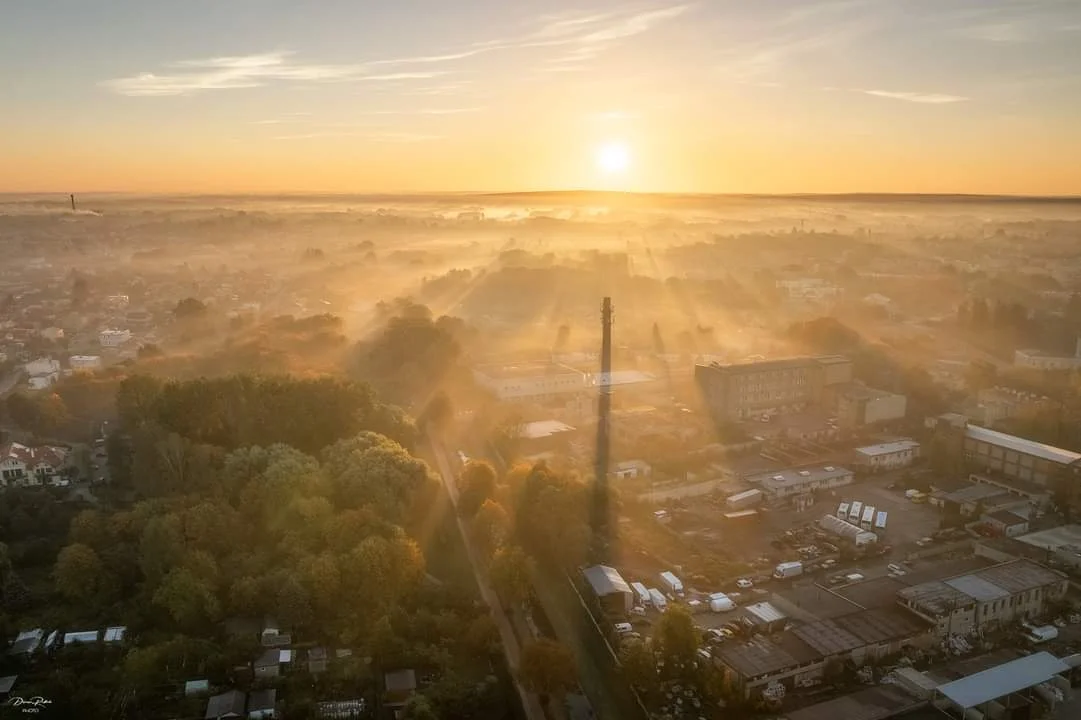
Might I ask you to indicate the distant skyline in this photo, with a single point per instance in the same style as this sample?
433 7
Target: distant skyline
716 96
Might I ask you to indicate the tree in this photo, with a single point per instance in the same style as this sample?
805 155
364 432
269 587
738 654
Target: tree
161 546
41 415
509 574
489 527
677 642
189 309
189 600
476 483
419 707
372 470
548 668
639 666
79 573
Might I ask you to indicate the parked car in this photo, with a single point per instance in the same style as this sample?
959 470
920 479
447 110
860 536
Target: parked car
744 584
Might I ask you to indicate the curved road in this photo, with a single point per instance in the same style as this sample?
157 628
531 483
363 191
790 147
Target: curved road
513 651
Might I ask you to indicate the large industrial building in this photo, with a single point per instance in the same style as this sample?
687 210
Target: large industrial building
987 598
1015 457
534 381
736 392
859 405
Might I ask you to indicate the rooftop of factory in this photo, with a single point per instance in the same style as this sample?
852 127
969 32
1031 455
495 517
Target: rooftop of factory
1003 680
796 476
523 370
1027 447
991 583
887 448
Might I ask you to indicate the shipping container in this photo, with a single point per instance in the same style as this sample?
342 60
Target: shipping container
744 500
641 593
855 512
880 520
842 511
657 599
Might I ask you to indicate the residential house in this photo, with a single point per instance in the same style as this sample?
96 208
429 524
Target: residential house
261 704
229 704
42 373
24 465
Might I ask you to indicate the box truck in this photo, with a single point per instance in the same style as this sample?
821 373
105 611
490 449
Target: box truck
658 600
788 570
671 584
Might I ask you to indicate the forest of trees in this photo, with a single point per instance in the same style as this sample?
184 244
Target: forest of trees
254 496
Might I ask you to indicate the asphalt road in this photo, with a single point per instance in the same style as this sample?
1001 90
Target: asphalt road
533 708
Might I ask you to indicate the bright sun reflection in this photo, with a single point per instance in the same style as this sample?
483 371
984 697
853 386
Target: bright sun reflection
613 158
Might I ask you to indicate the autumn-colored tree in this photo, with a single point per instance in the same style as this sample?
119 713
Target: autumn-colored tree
509 573
476 483
548 668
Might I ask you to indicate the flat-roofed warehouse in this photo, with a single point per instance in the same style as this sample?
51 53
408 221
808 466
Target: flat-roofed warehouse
1015 457
988 597
743 390
531 381
800 480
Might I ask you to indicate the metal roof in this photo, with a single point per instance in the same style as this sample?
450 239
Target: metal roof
606 580
1028 447
1003 680
762 656
765 612
887 448
977 588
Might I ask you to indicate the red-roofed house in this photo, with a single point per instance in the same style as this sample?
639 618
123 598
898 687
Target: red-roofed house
24 465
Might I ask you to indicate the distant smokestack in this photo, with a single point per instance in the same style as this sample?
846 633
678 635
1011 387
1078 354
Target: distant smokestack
73 202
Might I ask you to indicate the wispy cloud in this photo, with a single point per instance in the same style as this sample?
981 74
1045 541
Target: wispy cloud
248 71
375 137
585 36
916 97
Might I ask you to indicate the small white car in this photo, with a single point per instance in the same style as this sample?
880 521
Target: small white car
744 584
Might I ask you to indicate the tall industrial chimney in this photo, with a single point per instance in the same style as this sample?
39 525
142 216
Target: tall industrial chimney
600 520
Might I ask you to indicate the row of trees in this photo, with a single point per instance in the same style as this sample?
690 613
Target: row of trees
245 410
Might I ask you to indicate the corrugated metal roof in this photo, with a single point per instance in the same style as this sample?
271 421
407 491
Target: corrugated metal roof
765 612
606 580
1028 447
1003 680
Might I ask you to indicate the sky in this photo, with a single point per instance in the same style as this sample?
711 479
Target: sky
727 96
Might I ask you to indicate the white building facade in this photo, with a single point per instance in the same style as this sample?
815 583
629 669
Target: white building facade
114 338
888 456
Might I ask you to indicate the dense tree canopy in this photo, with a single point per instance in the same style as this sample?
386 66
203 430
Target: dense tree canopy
246 410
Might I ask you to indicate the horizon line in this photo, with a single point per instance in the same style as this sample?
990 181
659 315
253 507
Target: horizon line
564 192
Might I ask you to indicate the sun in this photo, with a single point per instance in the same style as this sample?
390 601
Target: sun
613 158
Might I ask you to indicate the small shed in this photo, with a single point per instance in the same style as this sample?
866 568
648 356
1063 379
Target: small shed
1006 522
196 687
268 665
400 686
262 704
317 660
765 617
226 705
